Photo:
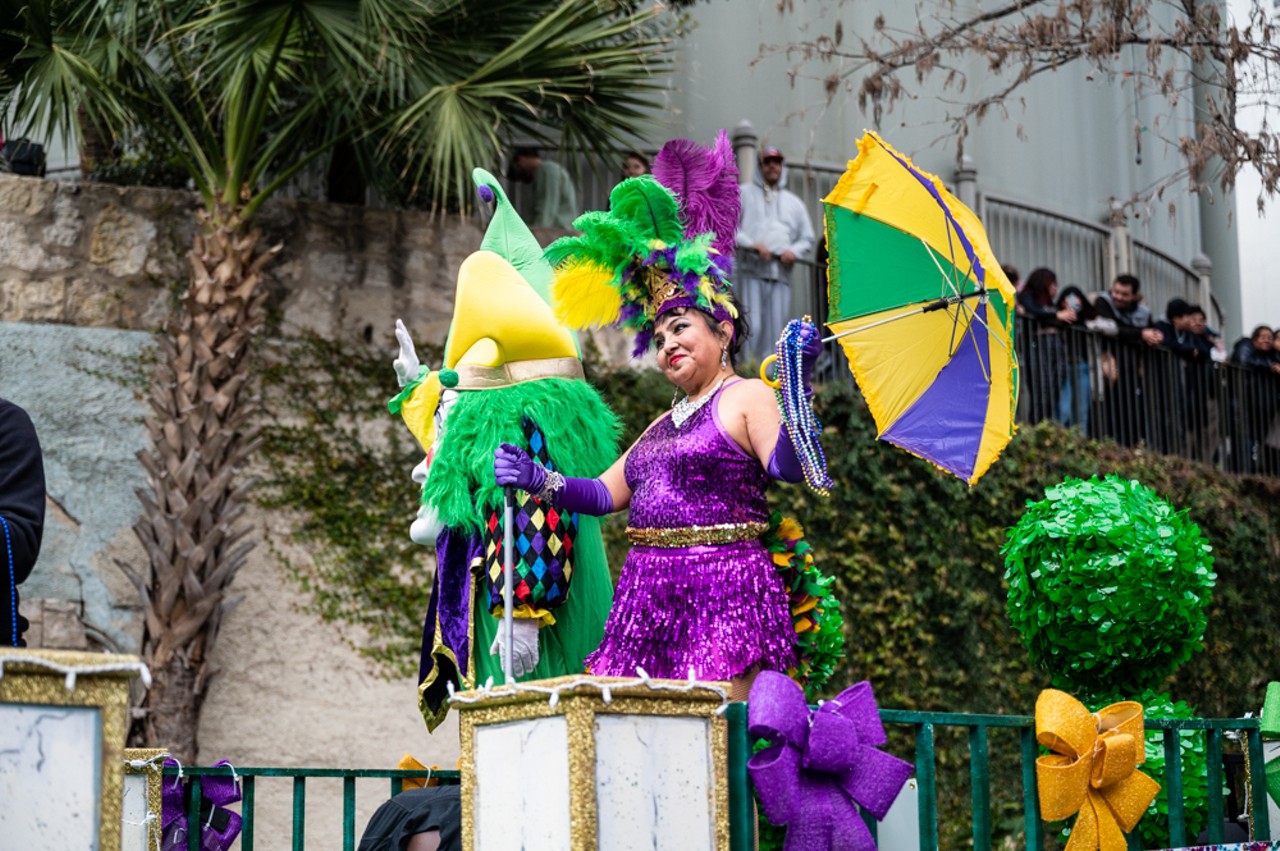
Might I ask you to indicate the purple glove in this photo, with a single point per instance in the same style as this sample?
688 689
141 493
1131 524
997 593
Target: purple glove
784 464
513 466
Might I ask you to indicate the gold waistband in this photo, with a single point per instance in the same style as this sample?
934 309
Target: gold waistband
475 377
693 536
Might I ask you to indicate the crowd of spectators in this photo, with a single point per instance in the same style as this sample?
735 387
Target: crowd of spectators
1108 365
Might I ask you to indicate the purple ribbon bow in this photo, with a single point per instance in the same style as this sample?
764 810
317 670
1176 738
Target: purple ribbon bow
822 765
220 826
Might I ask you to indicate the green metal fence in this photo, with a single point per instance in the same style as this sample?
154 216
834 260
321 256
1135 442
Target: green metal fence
924 725
248 784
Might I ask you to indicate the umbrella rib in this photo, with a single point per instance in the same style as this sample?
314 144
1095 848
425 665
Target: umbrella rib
933 256
955 290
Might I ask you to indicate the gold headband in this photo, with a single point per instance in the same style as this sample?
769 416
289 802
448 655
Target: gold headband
476 377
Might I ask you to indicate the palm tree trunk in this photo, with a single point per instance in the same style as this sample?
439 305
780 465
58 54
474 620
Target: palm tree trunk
201 440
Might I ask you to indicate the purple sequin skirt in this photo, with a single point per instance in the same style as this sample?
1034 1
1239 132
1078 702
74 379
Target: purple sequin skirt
720 610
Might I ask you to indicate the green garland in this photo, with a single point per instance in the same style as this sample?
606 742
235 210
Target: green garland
1108 585
815 611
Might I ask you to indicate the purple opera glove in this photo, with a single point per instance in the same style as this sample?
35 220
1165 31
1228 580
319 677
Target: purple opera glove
784 464
585 496
513 466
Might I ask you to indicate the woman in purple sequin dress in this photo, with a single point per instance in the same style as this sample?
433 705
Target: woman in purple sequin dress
699 592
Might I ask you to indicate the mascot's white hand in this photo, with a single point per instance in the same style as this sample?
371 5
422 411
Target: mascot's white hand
525 637
406 363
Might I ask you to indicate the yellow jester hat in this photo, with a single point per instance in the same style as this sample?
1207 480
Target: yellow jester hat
503 330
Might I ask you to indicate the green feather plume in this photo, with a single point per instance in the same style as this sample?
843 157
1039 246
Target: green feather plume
650 205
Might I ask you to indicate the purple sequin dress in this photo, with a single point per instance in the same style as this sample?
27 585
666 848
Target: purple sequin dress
718 609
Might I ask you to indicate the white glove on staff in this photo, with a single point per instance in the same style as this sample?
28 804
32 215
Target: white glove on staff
524 633
406 363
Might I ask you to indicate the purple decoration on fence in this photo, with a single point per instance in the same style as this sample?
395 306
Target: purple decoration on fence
220 826
822 766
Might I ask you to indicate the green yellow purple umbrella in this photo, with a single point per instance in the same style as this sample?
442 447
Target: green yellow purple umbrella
923 311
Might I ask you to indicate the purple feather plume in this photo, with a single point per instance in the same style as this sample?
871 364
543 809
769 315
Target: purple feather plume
706 182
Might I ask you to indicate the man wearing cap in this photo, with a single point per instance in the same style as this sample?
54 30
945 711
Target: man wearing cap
773 233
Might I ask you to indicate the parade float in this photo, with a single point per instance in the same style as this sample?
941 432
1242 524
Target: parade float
1107 585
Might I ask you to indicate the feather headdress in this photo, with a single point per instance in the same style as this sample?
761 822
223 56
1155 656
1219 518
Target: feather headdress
666 241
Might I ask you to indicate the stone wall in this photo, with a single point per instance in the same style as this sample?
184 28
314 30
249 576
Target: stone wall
97 255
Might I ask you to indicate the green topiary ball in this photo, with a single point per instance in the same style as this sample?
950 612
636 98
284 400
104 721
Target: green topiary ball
1108 585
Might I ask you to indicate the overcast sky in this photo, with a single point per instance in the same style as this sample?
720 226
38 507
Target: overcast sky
1259 233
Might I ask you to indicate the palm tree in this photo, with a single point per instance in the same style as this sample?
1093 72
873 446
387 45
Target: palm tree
243 94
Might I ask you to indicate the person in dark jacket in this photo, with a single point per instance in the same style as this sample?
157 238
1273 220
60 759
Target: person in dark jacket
21 514
1047 356
1125 402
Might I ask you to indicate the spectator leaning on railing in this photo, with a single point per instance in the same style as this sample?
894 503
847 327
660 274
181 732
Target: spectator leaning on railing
1124 399
1047 353
774 232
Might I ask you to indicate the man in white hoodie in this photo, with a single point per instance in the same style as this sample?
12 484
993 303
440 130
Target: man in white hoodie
773 233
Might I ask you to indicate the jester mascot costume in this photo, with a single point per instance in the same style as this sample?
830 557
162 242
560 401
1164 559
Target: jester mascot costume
511 374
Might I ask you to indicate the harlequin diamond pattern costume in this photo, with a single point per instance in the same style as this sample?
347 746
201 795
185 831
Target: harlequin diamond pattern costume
519 380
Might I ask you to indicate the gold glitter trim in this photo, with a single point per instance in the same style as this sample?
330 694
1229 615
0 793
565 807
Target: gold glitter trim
106 692
155 773
580 706
476 377
467 765
693 536
584 830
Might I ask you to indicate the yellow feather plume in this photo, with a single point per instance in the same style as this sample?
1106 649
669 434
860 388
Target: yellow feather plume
584 296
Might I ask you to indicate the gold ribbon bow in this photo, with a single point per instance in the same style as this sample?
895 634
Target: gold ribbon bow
1092 770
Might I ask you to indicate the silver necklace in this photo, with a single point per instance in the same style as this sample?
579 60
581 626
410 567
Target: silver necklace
685 408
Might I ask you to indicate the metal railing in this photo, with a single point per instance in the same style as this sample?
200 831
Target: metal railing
924 727
1216 413
248 778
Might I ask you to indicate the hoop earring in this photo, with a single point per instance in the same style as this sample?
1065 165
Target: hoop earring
724 357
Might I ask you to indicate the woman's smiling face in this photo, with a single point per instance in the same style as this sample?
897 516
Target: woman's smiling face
687 347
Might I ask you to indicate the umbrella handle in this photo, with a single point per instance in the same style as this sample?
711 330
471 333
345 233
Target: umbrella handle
775 383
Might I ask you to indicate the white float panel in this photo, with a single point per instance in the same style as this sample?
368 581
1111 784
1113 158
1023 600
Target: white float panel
654 783
901 825
50 777
522 785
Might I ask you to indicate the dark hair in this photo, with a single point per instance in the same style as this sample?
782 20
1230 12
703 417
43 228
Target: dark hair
1038 283
1129 281
1010 272
1074 298
636 155
1177 309
1253 338
741 325
525 151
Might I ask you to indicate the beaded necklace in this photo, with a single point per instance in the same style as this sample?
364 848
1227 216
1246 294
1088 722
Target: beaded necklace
797 411
682 410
